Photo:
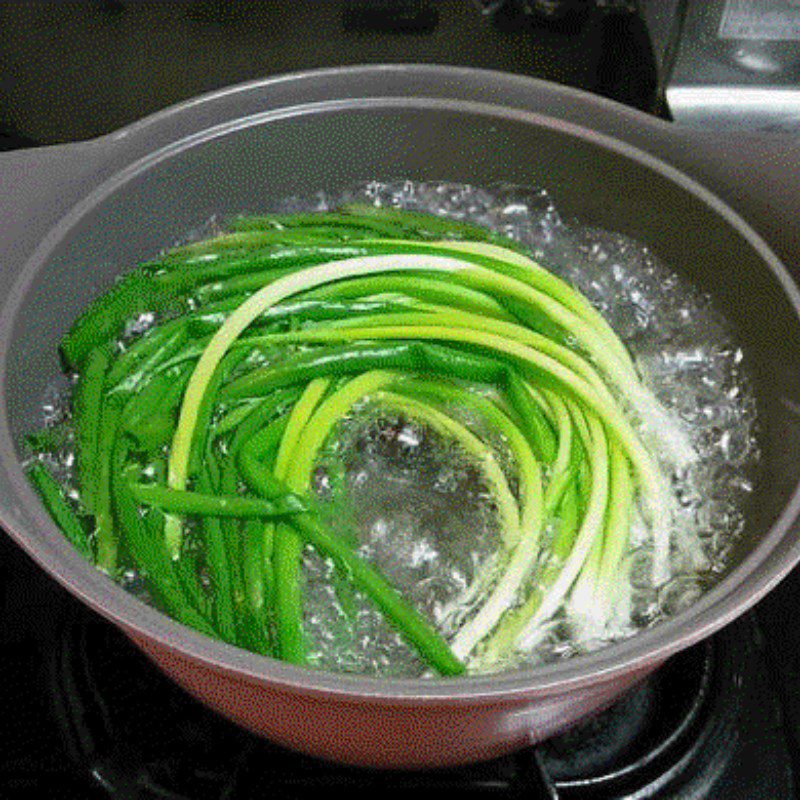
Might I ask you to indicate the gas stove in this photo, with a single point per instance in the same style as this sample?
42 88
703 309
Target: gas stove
86 715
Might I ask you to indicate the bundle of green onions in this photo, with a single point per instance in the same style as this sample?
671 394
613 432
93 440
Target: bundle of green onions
197 440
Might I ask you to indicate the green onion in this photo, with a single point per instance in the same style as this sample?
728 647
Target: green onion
197 442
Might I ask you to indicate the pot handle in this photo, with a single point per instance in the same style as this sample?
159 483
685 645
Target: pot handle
38 186
31 175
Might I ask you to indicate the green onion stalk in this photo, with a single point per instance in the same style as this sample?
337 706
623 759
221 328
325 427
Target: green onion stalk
197 440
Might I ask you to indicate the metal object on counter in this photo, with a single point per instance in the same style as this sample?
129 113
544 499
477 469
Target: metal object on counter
729 64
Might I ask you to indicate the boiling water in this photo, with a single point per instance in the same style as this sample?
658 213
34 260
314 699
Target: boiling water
413 504
415 507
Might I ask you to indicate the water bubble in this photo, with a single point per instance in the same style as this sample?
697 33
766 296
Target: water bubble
641 569
679 594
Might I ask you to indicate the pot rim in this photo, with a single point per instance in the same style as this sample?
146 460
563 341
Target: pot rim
764 567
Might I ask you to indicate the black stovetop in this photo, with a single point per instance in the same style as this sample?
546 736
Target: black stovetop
86 715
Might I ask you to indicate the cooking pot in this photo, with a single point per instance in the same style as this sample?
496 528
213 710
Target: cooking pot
75 216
